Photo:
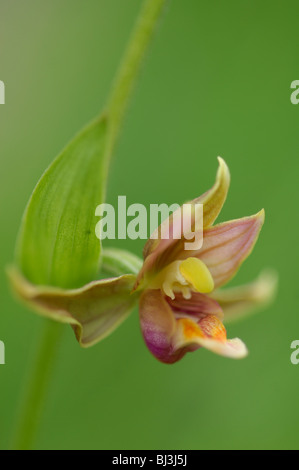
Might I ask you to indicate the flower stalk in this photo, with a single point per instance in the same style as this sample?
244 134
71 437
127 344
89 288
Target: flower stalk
130 65
36 387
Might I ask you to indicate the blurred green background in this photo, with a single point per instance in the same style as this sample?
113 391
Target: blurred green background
216 82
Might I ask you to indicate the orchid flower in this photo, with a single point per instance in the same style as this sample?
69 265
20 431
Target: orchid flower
181 307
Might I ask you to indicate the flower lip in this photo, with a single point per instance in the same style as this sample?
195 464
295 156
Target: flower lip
170 332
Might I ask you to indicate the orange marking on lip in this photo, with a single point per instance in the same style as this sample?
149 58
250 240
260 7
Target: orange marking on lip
190 329
210 327
213 328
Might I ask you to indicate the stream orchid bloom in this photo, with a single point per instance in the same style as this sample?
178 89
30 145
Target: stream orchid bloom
178 312
181 307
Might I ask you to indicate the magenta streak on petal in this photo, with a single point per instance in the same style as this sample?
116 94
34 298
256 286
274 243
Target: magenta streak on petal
158 327
160 345
198 304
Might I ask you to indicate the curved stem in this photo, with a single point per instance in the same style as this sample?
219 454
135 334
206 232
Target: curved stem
32 404
131 62
36 387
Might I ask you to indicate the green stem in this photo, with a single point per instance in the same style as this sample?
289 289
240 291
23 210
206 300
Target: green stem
40 375
131 63
36 387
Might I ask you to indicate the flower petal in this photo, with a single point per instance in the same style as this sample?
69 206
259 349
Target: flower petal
170 333
93 311
237 302
160 251
214 199
227 245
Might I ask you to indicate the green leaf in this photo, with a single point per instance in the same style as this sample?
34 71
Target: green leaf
57 245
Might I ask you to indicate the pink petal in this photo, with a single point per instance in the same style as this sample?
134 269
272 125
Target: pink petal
227 245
